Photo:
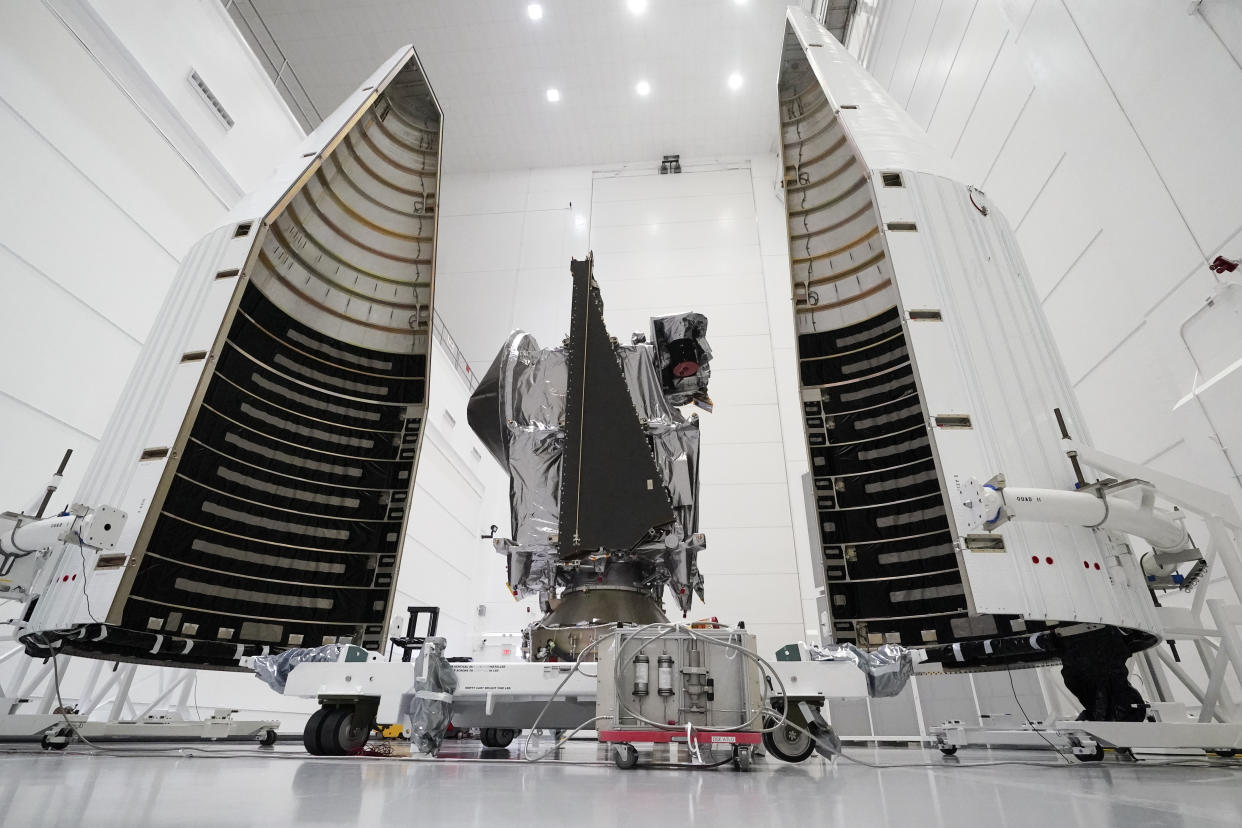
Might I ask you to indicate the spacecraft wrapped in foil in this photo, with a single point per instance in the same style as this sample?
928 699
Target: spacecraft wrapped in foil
597 423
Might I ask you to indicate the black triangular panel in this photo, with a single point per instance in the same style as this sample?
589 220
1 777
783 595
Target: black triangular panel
612 494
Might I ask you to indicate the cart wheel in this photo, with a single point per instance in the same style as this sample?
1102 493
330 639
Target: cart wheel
741 757
625 756
502 737
47 744
1091 757
310 733
338 735
488 737
949 750
788 743
267 738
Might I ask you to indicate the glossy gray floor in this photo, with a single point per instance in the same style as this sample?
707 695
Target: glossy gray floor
249 786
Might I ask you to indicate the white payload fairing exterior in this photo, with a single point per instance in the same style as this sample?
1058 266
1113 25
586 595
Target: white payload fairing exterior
926 367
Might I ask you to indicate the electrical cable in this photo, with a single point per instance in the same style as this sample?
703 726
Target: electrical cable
1027 719
534 726
1198 761
85 594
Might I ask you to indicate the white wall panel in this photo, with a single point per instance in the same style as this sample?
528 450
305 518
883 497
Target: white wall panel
745 505
546 239
710 233
1063 213
478 307
744 386
54 88
642 263
540 305
741 424
466 194
739 352
631 187
743 464
673 210
915 21
952 21
972 63
1163 98
1003 96
478 242
40 379
109 247
226 64
627 294
733 550
1031 152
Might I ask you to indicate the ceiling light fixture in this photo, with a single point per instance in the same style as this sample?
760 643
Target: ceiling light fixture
636 6
534 11
643 88
554 95
735 81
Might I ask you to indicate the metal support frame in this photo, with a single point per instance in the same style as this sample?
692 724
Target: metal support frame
105 709
1213 626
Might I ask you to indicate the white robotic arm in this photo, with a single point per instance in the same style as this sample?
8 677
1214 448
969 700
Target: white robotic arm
29 541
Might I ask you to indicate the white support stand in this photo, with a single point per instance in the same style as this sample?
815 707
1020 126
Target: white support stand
30 711
1212 626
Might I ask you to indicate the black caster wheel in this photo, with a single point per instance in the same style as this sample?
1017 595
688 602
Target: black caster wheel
949 751
625 756
310 734
503 737
1097 756
47 744
267 738
741 758
788 743
488 737
339 735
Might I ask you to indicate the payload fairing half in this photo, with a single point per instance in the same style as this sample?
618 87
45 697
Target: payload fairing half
925 360
265 446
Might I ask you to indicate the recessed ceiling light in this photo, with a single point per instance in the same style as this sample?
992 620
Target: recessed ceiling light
643 88
554 95
735 81
534 11
636 6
